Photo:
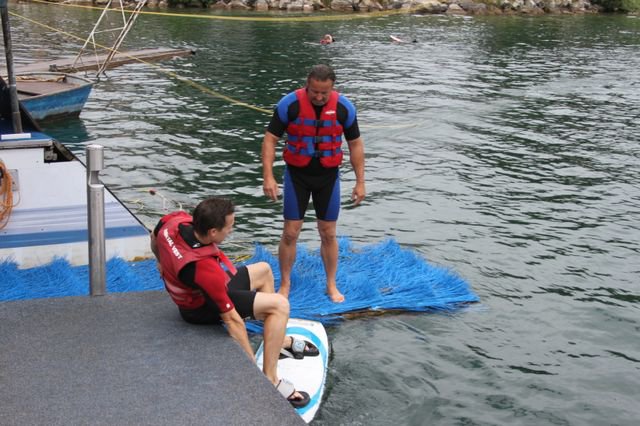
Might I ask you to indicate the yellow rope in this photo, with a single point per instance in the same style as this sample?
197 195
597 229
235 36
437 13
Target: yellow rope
6 195
169 73
242 257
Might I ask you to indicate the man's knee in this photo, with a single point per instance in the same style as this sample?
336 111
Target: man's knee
270 304
283 306
261 276
290 236
263 270
327 232
327 238
279 305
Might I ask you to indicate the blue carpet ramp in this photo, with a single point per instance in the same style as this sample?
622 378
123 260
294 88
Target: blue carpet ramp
375 277
59 279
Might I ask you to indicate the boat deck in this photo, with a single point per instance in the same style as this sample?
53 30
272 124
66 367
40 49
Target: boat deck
126 358
39 87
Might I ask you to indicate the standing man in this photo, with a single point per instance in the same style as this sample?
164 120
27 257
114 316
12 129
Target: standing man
209 289
314 117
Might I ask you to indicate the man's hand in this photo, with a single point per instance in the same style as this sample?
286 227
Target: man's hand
358 193
237 330
270 188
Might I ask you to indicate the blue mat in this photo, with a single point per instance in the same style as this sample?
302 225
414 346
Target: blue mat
377 277
60 279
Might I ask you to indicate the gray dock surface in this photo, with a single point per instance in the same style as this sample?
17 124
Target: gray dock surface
125 359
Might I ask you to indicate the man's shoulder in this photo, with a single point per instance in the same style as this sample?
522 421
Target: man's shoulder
180 215
288 99
346 111
342 99
175 215
285 111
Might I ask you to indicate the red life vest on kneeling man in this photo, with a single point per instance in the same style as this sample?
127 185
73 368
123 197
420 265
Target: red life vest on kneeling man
175 254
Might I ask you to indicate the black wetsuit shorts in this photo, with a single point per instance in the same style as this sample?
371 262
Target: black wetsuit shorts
300 186
240 293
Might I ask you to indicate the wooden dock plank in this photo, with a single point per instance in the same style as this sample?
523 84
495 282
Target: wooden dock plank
89 62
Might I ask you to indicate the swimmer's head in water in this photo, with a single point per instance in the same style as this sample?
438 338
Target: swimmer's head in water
327 39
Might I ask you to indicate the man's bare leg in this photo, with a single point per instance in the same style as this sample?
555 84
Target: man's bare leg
287 253
261 277
329 252
273 309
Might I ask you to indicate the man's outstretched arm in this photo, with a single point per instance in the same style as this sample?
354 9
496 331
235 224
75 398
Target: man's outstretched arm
269 184
237 330
356 155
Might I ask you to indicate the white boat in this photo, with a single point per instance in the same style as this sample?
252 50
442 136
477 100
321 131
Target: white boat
44 214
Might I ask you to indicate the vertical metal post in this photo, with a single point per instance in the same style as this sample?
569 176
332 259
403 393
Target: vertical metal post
95 216
13 88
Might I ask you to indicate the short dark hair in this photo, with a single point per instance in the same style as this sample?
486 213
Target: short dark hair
321 72
212 214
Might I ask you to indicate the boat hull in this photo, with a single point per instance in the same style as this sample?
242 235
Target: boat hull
49 96
49 217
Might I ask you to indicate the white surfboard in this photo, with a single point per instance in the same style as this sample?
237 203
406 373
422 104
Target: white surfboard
308 374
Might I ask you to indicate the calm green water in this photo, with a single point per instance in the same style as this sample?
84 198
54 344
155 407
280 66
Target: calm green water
505 148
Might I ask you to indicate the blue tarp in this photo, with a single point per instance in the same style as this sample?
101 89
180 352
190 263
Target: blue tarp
59 279
377 277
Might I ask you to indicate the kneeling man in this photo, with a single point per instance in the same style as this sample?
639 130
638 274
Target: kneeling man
209 289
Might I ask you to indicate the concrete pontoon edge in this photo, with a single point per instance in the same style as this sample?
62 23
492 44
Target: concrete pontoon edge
126 358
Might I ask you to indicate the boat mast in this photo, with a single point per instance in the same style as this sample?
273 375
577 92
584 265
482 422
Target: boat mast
127 23
13 89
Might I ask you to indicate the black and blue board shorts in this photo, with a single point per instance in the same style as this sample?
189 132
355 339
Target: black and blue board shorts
323 188
240 293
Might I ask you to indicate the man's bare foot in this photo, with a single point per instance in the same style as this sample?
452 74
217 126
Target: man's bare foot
287 342
335 295
296 398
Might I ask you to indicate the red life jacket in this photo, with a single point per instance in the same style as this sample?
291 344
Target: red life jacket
310 137
175 254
